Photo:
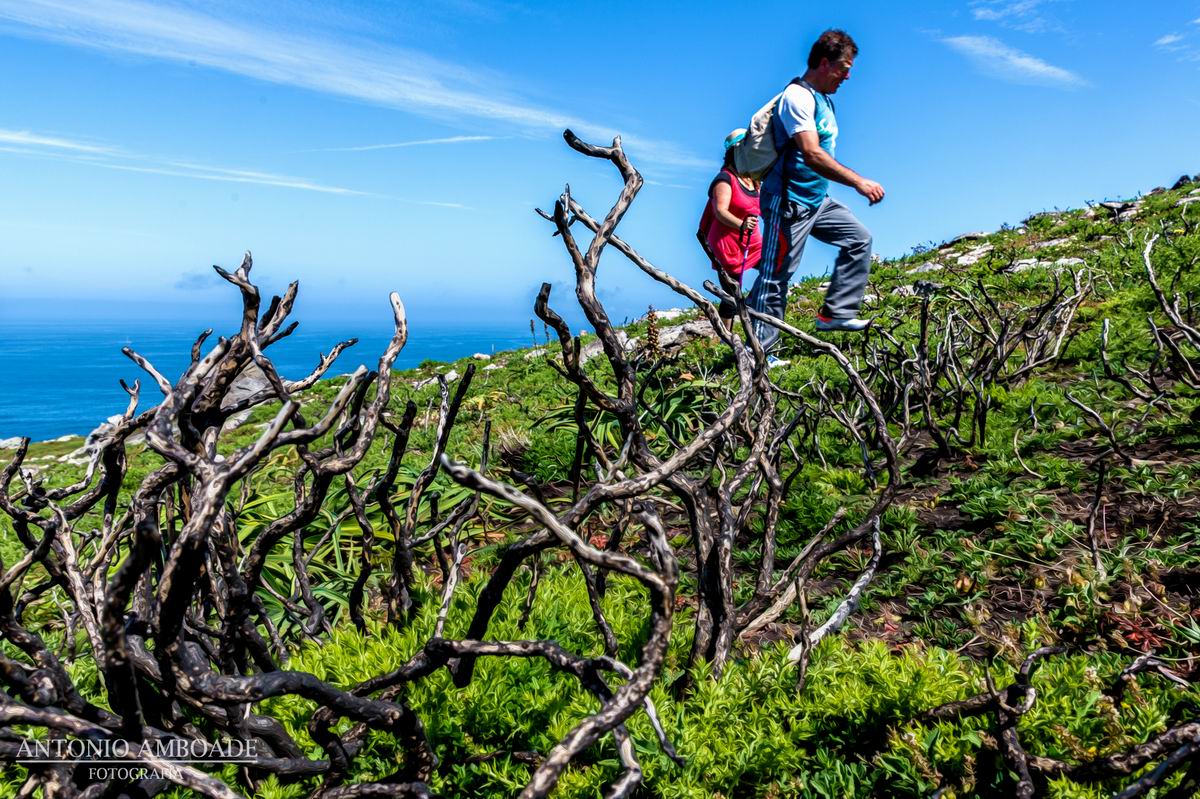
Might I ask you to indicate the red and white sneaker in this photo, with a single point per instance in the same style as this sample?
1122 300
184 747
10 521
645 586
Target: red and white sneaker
851 325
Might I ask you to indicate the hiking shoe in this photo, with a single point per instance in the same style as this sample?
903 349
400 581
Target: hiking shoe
851 325
773 362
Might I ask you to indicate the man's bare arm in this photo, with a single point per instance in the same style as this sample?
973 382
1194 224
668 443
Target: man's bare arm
825 165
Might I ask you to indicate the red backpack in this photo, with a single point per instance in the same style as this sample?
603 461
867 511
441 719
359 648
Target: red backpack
707 220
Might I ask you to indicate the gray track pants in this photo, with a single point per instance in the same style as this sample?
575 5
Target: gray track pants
786 228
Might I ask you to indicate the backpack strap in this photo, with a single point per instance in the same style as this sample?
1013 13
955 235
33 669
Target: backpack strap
776 126
789 144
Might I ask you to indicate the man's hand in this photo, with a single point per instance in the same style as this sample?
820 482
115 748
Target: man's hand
869 189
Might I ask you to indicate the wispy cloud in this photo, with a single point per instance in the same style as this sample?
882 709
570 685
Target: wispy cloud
28 139
995 58
400 144
1180 44
39 145
1022 15
435 204
650 182
200 172
385 76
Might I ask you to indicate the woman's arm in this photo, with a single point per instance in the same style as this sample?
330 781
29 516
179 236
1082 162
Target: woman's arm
722 193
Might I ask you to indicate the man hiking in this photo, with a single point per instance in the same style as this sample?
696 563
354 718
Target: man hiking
795 200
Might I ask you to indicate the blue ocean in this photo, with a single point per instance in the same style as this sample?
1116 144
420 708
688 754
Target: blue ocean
62 379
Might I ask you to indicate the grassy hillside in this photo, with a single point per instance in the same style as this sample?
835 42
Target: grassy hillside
1056 506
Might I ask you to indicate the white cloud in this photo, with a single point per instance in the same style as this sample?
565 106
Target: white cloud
1022 15
24 142
200 172
434 204
993 10
1168 40
25 138
386 76
669 185
400 144
997 59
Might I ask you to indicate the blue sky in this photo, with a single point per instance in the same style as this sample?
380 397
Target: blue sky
368 147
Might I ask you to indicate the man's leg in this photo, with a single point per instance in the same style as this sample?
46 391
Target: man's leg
785 229
836 225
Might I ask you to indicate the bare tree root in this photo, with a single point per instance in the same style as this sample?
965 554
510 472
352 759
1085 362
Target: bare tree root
1175 748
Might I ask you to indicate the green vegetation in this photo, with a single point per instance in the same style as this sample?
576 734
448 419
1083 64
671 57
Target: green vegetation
988 550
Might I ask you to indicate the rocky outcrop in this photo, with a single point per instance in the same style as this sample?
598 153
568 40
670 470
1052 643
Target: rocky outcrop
673 338
975 235
974 256
1122 211
932 266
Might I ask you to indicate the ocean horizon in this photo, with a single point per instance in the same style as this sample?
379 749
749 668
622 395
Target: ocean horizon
62 379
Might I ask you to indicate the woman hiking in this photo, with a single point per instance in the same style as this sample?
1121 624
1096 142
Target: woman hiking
729 227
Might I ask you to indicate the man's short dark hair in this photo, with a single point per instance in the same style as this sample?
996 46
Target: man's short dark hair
835 45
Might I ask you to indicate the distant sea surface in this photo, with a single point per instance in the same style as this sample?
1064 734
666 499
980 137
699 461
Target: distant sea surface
58 380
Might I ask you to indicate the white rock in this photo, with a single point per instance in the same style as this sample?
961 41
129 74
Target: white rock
65 438
973 256
679 335
99 437
492 366
535 352
594 348
1188 200
667 314
249 382
1123 211
451 376
237 420
870 298
479 356
10 443
824 286
972 236
1194 192
1041 245
904 291
1069 262
932 266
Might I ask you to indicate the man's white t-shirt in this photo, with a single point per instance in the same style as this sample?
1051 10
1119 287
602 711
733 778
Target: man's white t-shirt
798 113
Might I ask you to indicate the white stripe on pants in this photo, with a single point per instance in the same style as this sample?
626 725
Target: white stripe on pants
786 228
